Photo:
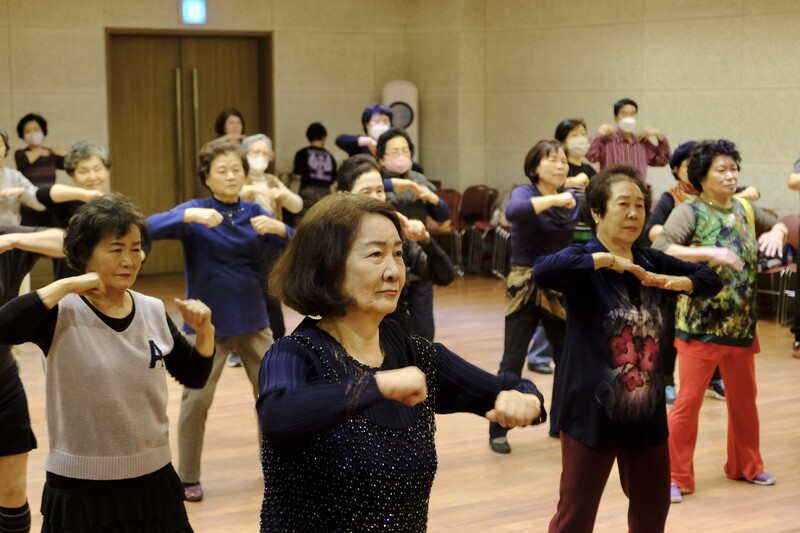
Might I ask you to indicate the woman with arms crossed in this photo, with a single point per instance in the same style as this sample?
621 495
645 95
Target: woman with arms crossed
610 381
347 401
107 353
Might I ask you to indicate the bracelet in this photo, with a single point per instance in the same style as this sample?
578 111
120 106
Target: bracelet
613 261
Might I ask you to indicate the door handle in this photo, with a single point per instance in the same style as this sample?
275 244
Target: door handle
180 191
196 109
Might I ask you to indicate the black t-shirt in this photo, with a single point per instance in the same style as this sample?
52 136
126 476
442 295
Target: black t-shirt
315 166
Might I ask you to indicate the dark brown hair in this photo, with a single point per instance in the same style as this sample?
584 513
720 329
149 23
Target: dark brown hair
112 214
309 275
213 150
535 155
599 188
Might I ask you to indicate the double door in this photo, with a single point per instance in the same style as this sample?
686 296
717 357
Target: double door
165 92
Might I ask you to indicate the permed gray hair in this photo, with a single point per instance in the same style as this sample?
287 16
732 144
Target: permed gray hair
247 142
83 150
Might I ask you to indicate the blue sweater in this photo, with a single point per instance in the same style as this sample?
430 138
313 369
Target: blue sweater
221 263
535 235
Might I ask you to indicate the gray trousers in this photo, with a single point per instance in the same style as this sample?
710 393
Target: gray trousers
196 402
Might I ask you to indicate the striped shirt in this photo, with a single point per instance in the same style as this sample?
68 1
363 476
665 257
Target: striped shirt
614 149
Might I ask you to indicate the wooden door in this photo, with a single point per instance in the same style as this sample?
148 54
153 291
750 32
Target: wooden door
165 92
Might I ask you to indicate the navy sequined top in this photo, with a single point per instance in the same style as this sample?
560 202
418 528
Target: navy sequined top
337 456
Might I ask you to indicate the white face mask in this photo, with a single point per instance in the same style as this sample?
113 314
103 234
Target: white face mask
578 146
376 130
34 138
627 124
258 164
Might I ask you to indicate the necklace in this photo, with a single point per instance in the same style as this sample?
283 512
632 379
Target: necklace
712 203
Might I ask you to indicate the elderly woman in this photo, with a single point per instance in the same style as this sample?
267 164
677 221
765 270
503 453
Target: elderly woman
613 401
727 233
347 401
15 189
424 259
270 193
88 164
107 353
542 217
20 247
222 238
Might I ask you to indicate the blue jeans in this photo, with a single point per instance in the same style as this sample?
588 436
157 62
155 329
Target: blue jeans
540 350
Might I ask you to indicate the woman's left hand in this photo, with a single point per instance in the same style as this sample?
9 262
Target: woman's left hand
197 316
195 313
264 224
771 242
513 408
663 281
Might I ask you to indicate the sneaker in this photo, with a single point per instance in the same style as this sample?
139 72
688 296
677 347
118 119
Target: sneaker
675 495
500 445
764 479
716 390
540 368
669 394
796 349
234 360
193 492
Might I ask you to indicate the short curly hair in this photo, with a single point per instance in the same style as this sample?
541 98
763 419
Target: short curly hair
310 274
598 191
112 214
82 150
212 150
703 156
31 117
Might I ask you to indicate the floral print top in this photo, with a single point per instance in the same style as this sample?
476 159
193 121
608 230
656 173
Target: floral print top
729 318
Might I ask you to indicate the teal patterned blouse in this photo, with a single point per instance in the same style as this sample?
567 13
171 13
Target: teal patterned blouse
729 318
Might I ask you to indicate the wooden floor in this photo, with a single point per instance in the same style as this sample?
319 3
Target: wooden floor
475 489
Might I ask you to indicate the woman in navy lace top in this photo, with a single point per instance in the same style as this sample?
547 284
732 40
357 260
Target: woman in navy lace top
347 402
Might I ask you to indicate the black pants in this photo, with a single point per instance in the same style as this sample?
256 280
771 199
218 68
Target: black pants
420 308
519 329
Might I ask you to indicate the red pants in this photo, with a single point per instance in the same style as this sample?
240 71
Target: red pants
643 474
696 362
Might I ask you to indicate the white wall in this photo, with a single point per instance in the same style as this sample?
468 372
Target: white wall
494 76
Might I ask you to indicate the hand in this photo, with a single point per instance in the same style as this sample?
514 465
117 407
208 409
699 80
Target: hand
564 199
369 142
91 194
273 193
209 218
650 132
771 242
513 408
58 151
195 313
621 264
670 283
6 243
406 385
11 191
581 180
605 129
725 257
88 284
264 224
403 185
414 230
